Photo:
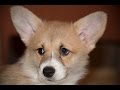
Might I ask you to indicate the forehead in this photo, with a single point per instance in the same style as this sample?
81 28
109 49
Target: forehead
54 29
55 33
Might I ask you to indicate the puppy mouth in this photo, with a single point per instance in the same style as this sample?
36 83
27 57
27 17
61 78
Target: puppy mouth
51 80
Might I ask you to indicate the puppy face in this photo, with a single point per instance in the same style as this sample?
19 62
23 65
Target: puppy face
57 50
60 46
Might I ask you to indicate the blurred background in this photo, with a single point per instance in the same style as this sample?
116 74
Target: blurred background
104 67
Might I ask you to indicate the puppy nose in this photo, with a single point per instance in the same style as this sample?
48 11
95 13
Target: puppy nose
48 71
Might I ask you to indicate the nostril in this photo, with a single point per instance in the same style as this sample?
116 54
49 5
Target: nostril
48 71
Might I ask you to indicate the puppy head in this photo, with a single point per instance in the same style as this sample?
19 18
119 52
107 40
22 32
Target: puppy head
58 49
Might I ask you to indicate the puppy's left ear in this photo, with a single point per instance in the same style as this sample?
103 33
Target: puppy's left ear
90 28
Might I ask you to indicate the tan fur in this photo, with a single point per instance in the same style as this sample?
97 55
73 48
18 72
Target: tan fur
50 34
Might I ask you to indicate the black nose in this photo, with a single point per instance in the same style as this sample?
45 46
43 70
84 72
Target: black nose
48 71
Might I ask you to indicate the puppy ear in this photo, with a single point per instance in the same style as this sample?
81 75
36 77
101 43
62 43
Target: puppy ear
91 27
25 22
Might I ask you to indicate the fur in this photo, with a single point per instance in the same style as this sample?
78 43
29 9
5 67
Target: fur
78 37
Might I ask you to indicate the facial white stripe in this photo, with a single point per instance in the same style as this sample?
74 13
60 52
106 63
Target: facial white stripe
52 54
60 71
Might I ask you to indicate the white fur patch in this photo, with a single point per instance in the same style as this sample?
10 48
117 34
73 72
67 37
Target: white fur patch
60 71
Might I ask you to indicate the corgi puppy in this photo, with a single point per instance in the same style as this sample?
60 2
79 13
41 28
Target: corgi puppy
57 51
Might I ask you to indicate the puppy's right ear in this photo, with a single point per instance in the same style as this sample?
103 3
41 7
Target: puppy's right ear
25 22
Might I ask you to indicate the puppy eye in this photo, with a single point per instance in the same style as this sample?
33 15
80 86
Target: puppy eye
41 51
64 51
